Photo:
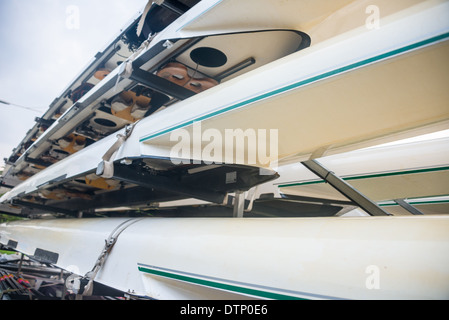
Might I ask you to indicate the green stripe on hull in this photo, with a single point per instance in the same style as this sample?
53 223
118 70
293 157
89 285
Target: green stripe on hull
221 286
370 176
305 82
415 203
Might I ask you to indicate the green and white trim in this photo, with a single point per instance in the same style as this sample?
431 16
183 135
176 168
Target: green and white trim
369 176
301 83
247 289
418 201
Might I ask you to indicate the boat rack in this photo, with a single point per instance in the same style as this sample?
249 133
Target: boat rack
140 73
27 278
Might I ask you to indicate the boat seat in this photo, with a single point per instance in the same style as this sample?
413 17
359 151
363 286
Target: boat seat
179 74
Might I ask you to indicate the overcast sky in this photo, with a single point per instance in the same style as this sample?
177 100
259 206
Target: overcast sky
44 45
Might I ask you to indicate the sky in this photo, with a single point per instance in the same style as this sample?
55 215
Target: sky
44 45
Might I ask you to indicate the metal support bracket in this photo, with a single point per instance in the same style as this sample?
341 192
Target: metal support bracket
160 84
344 188
407 206
239 204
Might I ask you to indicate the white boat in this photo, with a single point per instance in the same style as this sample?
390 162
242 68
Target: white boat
416 171
327 79
210 258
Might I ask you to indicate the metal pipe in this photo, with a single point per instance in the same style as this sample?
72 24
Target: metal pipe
344 188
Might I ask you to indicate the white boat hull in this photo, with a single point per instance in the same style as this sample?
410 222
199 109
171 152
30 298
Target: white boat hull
305 258
373 93
401 171
353 87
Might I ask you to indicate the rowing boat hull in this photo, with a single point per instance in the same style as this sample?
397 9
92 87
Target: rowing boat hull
371 93
400 171
305 258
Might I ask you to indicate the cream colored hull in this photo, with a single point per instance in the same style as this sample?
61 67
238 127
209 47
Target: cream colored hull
354 87
322 100
305 258
417 171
